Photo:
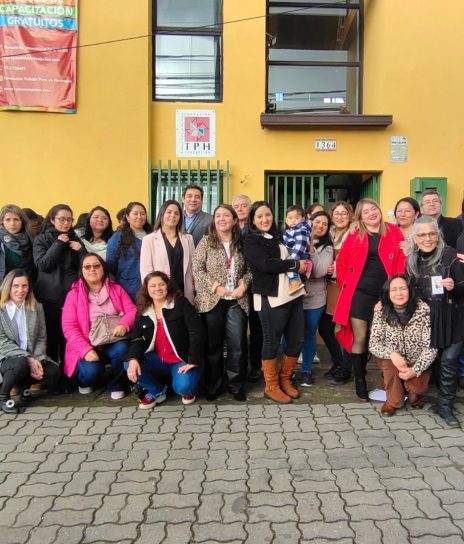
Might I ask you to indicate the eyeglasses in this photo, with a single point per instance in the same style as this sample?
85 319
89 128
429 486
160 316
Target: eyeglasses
92 266
64 219
423 235
430 202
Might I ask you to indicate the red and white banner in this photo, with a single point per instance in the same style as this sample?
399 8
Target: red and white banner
38 49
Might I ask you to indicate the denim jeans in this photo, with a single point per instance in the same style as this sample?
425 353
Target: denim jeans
89 372
311 322
155 373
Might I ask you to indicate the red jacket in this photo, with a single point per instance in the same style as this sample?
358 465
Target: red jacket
350 264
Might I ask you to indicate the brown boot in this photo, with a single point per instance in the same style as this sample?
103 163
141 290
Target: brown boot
285 376
272 390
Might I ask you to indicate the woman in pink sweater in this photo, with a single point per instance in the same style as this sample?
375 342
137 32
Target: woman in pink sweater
94 298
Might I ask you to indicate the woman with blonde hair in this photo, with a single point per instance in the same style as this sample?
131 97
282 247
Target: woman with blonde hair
23 341
369 255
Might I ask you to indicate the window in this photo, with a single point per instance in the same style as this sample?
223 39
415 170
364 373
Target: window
187 50
314 58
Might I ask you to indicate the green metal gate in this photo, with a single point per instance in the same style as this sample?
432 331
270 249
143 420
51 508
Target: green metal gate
284 190
167 182
371 188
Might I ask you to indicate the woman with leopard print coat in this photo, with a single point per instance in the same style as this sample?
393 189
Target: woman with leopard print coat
400 339
221 281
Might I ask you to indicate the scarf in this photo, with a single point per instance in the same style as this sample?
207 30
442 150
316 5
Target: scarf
19 243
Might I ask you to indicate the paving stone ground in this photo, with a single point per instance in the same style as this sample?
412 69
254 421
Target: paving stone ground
230 473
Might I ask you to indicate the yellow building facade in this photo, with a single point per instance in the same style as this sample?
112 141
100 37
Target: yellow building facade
113 149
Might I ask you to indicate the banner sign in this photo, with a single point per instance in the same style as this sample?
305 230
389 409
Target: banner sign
38 40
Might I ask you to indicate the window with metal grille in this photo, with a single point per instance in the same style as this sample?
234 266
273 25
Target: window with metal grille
168 183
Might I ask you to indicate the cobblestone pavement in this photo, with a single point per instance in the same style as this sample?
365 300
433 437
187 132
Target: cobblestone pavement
230 473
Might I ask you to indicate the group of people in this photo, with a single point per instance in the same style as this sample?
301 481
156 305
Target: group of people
169 306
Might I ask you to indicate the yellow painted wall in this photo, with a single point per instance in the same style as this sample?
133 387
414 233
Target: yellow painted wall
413 70
100 154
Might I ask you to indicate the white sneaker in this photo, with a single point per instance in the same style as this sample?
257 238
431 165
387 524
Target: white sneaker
117 395
188 399
316 359
85 390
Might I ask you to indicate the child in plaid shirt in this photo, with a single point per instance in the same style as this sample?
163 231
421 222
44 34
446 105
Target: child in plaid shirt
297 236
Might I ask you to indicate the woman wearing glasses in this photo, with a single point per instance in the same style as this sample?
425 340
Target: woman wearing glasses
57 251
93 302
439 278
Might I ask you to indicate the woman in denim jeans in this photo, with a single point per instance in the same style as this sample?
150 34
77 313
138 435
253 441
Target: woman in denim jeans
167 343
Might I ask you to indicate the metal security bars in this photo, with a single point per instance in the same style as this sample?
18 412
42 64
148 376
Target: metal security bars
168 181
284 190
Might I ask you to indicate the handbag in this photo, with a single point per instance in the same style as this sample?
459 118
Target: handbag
102 329
333 292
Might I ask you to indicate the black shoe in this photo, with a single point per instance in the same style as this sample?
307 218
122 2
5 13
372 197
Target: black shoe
8 406
211 396
331 372
26 396
447 415
341 377
255 375
306 379
240 396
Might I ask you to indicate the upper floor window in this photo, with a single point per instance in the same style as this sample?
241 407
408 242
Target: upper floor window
314 56
187 50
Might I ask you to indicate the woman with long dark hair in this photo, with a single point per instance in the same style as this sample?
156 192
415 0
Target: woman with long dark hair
98 229
57 252
123 250
97 303
167 343
23 340
281 314
400 339
169 249
15 242
221 280
439 279
369 255
406 211
314 302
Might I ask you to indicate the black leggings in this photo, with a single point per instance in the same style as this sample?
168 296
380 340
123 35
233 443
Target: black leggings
16 373
286 320
327 331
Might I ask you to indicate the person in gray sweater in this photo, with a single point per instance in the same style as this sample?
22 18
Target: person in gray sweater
23 341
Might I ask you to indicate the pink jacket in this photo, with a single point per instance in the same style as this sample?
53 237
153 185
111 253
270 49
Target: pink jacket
154 257
350 265
76 320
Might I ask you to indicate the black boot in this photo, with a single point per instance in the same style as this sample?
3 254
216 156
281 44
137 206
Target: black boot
8 405
341 376
449 377
359 362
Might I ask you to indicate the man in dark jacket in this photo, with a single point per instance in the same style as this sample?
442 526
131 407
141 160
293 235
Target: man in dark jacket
431 204
196 222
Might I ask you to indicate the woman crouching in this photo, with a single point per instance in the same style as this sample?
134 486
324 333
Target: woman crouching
23 342
167 342
400 339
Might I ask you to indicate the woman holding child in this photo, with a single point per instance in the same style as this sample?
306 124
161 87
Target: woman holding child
280 312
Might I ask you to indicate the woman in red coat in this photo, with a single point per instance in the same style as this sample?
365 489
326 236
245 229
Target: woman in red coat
369 256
